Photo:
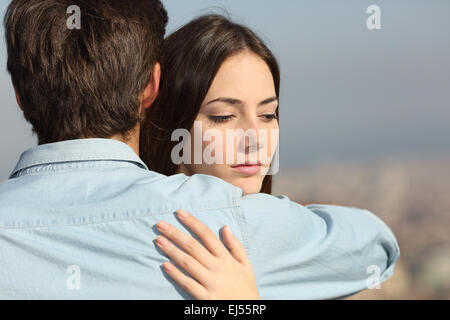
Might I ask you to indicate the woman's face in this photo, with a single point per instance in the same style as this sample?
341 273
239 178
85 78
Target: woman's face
238 123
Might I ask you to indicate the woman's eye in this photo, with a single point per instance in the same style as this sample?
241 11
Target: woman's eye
269 116
220 119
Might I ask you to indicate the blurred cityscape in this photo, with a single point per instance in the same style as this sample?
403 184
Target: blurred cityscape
410 194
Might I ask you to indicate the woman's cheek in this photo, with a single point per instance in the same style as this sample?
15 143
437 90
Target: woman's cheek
212 158
273 141
269 139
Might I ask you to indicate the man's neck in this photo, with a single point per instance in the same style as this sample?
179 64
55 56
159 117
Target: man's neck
132 139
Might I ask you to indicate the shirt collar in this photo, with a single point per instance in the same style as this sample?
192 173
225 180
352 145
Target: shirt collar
90 149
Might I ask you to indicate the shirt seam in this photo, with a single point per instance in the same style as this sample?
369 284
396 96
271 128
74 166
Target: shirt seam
40 168
242 221
134 217
44 170
74 159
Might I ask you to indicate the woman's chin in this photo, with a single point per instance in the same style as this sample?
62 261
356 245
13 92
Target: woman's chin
248 185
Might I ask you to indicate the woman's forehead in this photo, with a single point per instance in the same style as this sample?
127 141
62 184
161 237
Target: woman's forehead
244 76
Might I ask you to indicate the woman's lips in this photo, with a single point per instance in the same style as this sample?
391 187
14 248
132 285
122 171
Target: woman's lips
247 168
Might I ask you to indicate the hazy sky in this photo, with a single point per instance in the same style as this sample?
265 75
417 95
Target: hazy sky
346 91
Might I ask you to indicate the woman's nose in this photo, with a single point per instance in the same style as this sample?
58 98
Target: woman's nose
253 140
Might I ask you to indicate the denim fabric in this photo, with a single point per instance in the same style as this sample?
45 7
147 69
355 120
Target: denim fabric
77 221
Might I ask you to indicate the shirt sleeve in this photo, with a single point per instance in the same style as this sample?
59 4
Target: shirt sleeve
316 251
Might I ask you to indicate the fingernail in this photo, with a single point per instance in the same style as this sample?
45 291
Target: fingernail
182 214
162 225
161 241
229 230
168 267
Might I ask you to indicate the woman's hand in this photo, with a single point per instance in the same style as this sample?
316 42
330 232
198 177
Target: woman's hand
221 274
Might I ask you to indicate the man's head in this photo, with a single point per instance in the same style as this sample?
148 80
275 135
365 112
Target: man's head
87 82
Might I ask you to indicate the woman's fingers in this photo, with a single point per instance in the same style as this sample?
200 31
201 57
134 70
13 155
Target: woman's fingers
195 289
235 246
185 261
190 245
211 241
218 272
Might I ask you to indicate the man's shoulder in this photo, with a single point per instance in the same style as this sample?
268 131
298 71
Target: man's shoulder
198 190
121 192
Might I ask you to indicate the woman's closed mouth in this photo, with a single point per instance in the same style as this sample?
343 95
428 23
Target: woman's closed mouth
247 168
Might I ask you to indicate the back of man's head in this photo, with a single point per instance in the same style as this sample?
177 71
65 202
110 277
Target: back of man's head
82 82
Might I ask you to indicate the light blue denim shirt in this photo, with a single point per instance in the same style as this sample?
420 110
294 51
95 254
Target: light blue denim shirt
77 221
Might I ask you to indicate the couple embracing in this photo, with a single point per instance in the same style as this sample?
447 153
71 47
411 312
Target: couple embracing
100 209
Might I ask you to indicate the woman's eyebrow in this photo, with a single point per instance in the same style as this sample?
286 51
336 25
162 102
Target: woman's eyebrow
226 100
268 100
235 102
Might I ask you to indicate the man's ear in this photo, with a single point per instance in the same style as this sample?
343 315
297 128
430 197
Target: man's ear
151 91
18 98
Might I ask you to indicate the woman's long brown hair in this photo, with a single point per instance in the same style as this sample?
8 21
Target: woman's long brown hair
191 57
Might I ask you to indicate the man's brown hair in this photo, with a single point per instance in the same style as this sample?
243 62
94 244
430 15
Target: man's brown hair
77 83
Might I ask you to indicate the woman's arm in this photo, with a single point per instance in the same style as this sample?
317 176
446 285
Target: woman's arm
316 251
